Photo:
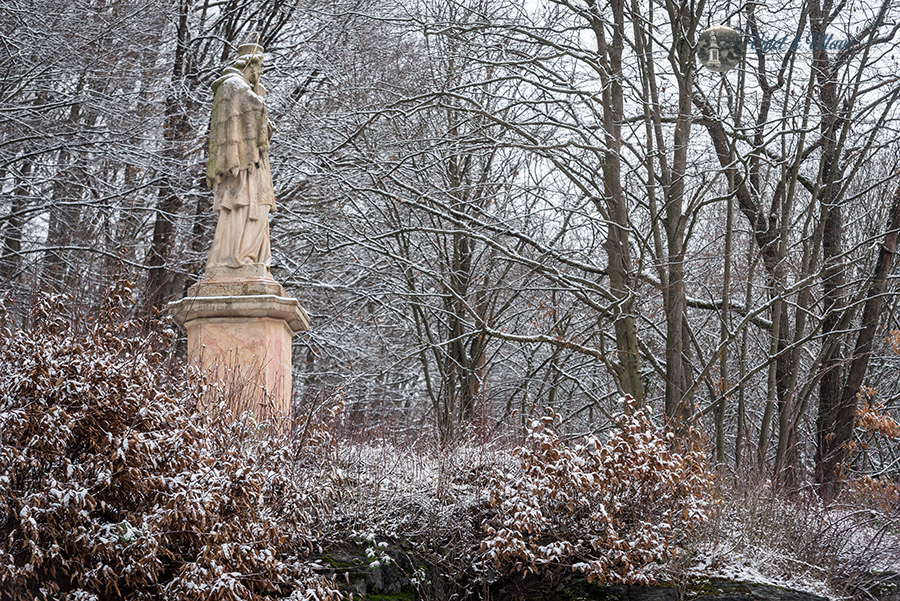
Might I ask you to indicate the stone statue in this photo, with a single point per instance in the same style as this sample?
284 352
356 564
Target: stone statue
239 320
238 170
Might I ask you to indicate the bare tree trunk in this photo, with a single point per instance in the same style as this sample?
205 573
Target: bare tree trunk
724 333
768 240
66 193
159 280
677 406
617 245
201 237
833 268
838 420
11 259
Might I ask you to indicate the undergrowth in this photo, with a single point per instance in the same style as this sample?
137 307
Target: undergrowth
610 509
794 540
114 485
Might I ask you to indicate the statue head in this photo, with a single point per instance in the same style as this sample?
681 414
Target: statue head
249 62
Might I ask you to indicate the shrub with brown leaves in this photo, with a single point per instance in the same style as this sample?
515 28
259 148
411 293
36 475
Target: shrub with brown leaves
608 509
112 487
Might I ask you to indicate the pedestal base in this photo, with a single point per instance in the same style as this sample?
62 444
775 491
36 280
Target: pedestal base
239 332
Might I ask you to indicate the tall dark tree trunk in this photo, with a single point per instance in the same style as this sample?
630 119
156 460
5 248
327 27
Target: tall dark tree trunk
678 374
766 235
836 426
830 384
614 204
201 237
62 229
833 268
160 278
11 259
465 352
65 208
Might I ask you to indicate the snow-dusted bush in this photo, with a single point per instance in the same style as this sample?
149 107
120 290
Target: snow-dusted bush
111 487
608 509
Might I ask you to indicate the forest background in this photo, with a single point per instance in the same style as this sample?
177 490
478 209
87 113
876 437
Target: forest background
489 208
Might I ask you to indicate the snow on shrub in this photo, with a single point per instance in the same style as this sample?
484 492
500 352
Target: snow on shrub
112 488
608 509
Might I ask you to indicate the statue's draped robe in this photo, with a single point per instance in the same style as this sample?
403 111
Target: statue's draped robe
238 172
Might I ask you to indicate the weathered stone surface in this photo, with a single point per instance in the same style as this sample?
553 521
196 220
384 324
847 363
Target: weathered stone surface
354 572
239 286
578 589
240 333
238 170
707 590
266 306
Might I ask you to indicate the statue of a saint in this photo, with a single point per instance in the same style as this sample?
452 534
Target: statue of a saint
238 170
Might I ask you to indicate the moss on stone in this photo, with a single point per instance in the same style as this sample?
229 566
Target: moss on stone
407 594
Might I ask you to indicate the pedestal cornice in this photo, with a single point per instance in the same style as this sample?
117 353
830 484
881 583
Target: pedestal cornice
250 306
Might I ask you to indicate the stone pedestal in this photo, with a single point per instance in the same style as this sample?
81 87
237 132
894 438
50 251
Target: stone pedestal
239 332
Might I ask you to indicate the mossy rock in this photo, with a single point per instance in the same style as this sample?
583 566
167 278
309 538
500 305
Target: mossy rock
714 589
353 572
408 594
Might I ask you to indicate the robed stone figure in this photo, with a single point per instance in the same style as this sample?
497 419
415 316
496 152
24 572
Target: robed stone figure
239 320
238 170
